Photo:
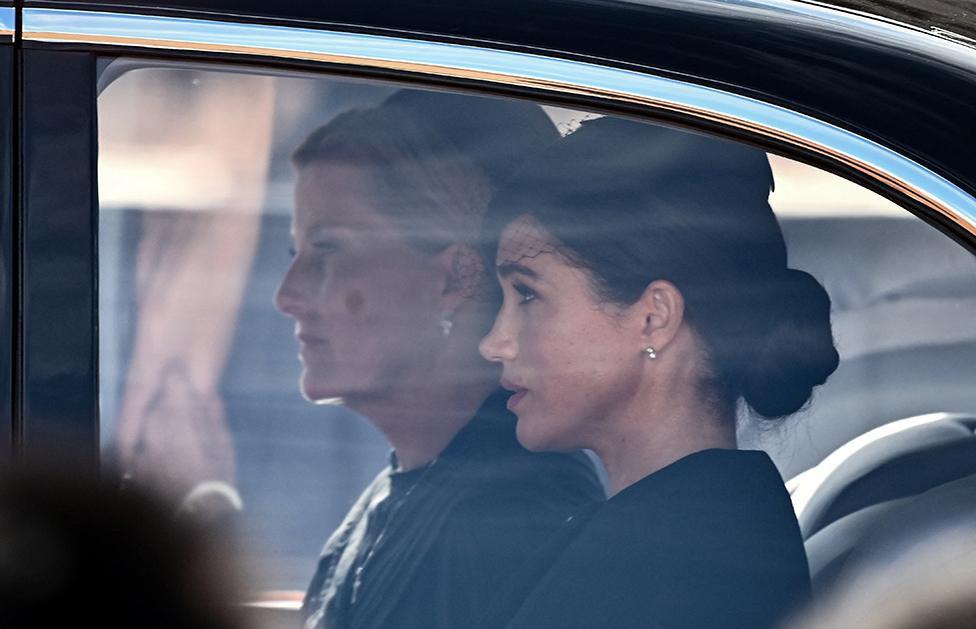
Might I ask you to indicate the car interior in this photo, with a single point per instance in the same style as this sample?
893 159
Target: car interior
889 439
885 449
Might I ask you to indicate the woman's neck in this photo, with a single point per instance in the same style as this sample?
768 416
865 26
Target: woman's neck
419 427
662 428
420 416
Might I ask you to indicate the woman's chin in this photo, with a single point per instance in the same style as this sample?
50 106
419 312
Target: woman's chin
530 437
319 392
322 398
330 390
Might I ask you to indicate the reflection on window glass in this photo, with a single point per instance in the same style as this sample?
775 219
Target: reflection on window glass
299 274
333 221
198 371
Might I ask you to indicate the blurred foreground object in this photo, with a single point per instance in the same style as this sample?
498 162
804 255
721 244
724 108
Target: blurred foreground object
931 585
75 552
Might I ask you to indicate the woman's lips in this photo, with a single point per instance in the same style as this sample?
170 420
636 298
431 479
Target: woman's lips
311 348
309 340
515 399
517 393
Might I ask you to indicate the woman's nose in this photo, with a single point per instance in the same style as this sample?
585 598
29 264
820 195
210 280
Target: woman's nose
290 298
498 345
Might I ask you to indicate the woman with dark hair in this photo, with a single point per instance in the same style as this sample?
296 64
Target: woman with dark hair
390 295
647 297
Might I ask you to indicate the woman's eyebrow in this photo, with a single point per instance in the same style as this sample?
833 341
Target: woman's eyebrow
335 231
508 268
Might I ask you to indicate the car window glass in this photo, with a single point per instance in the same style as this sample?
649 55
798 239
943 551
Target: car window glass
206 279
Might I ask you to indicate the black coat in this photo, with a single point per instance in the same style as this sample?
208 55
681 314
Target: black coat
708 542
432 548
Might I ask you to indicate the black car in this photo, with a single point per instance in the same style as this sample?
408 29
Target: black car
146 193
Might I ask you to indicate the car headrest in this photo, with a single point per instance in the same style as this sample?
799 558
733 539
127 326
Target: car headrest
901 458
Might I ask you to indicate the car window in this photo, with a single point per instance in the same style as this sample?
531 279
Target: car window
234 320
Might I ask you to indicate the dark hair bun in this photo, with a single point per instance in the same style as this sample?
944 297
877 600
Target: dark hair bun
798 350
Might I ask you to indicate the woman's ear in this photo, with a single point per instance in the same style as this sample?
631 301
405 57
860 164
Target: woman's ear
662 310
463 275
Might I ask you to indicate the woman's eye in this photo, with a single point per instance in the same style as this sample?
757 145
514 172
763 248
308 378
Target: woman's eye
525 292
292 252
324 246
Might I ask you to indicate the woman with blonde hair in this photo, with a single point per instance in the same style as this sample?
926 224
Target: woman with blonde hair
390 295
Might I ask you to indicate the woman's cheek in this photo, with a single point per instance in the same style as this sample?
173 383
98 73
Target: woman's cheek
354 302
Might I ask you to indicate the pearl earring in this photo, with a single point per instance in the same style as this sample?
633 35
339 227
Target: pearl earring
651 354
445 325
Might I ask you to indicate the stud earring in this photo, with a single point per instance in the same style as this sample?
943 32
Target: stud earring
445 325
651 354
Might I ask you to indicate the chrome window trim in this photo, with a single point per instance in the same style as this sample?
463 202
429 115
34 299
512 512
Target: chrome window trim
531 70
8 23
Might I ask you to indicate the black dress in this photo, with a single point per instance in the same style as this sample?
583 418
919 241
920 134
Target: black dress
708 542
431 548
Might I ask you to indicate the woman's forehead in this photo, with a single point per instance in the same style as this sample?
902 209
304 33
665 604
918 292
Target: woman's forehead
339 195
523 238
